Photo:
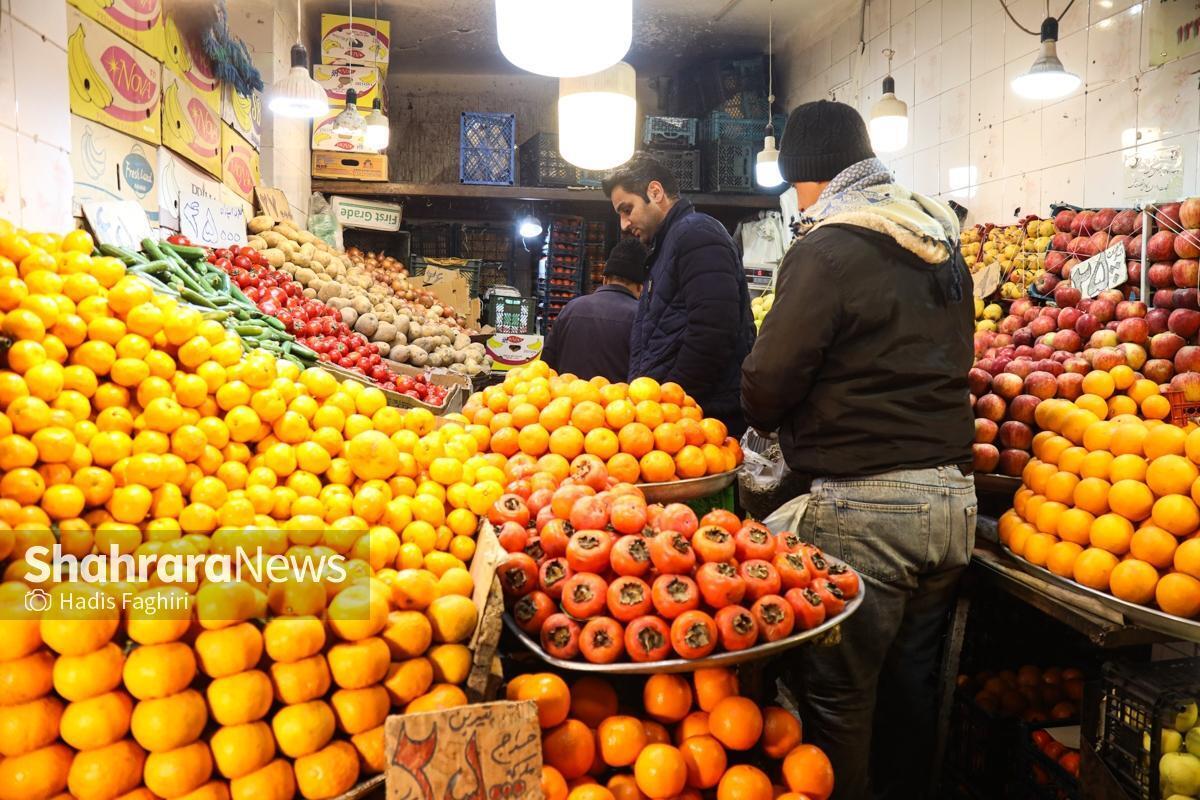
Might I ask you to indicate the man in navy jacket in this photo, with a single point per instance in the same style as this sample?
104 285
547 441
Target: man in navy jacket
693 325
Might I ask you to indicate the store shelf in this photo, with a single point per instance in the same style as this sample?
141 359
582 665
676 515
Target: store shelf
520 193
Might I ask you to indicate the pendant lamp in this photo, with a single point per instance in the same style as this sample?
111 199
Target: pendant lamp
298 95
349 122
889 116
1047 79
564 38
597 117
766 163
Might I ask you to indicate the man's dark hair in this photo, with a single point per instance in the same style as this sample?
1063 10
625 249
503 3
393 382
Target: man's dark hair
636 174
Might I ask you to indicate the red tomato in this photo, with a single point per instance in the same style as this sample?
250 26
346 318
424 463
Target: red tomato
602 640
793 573
693 634
560 636
1054 749
774 616
671 553
1070 762
674 594
588 550
647 639
722 519
512 537
713 543
518 574
589 513
628 514
509 508
680 518
807 607
1040 738
845 579
553 574
736 628
831 596
754 540
720 584
555 533
761 578
630 556
629 598
532 610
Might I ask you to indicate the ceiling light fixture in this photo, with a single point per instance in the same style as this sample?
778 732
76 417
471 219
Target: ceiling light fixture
889 116
564 38
529 226
298 95
349 122
766 163
597 117
1047 79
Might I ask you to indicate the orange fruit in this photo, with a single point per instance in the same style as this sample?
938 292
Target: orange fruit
636 439
602 443
1176 514
1037 474
1178 594
736 722
1153 545
1075 525
1061 558
657 467
1131 499
1112 532
1093 567
781 731
705 760
1096 465
1099 383
590 791
624 467
1165 440
744 782
1098 436
1091 495
694 724
714 684
807 770
1128 438
1061 487
1187 558
1037 548
667 698
1046 519
621 739
1133 580
1156 407
569 748
554 785
660 770
1070 459
1171 474
1127 467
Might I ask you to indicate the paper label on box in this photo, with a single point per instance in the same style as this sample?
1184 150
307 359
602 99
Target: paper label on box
185 56
139 22
190 126
355 213
366 43
108 165
324 138
337 78
510 350
239 164
212 223
122 223
244 113
112 82
179 179
231 198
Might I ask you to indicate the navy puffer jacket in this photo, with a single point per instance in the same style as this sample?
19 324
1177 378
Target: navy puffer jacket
694 324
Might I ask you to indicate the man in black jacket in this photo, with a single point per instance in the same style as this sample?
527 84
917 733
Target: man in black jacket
694 324
861 367
591 335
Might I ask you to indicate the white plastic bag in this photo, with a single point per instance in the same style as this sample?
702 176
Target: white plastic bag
763 240
763 468
789 516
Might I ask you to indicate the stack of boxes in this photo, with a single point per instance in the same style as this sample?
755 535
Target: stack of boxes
672 140
563 264
594 254
351 58
149 120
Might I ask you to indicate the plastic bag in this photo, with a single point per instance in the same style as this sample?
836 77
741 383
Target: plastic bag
763 240
321 222
764 467
789 516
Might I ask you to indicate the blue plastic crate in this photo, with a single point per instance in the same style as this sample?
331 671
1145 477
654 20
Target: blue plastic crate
670 132
683 164
721 127
487 153
729 168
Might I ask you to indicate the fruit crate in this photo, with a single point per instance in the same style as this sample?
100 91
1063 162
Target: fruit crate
676 132
433 240
721 80
492 273
486 242
512 314
596 233
487 154
1183 411
471 268
1139 702
729 168
543 165
721 127
1041 777
746 105
683 164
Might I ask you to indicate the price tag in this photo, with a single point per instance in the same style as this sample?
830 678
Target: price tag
1100 272
121 223
354 213
273 203
987 280
208 222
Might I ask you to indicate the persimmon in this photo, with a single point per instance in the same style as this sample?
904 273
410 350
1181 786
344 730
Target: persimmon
592 699
660 771
628 598
761 579
518 574
693 634
831 596
630 556
647 639
624 787
621 739
532 610
589 550
714 684
705 760
680 518
807 607
671 553
553 576
602 640
792 571
667 698
628 514
737 722
736 628
720 584
560 636
846 579
584 595
720 517
656 732
807 770
714 543
674 594
781 731
569 748
754 540
555 535
774 616
589 513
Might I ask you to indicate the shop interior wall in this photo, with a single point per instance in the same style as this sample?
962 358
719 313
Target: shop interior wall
971 138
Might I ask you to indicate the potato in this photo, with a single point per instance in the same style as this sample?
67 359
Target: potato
349 315
305 276
338 303
274 256
272 238
399 353
257 242
311 294
329 290
367 325
385 332
260 223
418 358
361 303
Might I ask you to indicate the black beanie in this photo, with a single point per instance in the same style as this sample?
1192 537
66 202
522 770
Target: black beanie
627 260
822 139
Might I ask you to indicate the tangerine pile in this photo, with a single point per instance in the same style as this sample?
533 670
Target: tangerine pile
1112 503
684 739
644 432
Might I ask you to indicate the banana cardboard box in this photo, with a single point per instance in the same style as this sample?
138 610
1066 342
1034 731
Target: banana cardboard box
239 164
323 137
366 43
139 22
186 58
112 82
190 126
337 78
179 181
244 114
109 166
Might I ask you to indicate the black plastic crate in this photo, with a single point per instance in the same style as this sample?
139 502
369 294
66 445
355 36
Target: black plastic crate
487 153
512 314
729 168
1138 701
1041 777
718 81
746 105
486 242
683 164
678 132
433 240
543 165
493 273
722 127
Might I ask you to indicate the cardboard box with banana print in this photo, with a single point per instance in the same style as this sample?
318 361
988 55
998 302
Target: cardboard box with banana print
244 112
186 58
190 126
111 81
139 22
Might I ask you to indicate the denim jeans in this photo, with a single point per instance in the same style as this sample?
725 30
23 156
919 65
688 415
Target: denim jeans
870 702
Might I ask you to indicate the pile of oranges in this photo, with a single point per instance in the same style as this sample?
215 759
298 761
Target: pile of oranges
644 432
1112 501
689 736
130 422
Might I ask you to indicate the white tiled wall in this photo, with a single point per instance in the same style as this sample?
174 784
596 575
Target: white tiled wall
971 138
35 124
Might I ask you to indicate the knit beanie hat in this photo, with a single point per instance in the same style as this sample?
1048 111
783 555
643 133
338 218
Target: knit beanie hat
822 139
627 260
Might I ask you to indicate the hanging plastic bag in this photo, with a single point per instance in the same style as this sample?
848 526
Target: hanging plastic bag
789 516
763 468
763 240
321 222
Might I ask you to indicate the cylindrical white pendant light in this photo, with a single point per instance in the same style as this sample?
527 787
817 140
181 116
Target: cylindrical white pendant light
377 127
564 38
597 117
889 120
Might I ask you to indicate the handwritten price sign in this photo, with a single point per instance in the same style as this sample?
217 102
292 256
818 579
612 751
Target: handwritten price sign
490 751
1100 272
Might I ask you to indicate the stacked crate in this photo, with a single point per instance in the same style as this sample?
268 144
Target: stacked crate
542 164
594 254
487 154
493 245
672 141
563 264
730 145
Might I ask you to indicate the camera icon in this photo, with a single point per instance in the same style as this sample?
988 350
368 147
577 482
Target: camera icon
37 600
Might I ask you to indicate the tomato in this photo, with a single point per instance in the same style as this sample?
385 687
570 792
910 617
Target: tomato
553 574
629 598
720 584
774 616
807 607
845 579
693 634
560 636
754 540
602 640
736 628
243 261
512 537
555 533
793 573
1054 749
518 574
674 594
831 596
1070 762
589 512
647 639
588 550
721 518
509 508
671 553
1040 738
533 549
539 499
628 514
713 543
179 239
814 559
630 556
532 610
761 578
680 518
584 595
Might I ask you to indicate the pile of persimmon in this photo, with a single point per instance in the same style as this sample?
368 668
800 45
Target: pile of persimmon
596 572
671 736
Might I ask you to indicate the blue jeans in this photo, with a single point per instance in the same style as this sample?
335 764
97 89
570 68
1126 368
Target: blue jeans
870 702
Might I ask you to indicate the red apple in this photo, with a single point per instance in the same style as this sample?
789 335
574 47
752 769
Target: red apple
1070 385
1130 308
1134 270
1042 326
985 430
1112 325
1022 337
1066 295
1164 298
1068 339
1010 324
1031 313
992 407
1187 244
1060 241
1157 318
1054 261
1126 222
1185 271
1086 325
1166 345
1107 357
1008 384
1055 368
1077 364
1168 216
1067 267
1184 321
1082 224
1133 246
1103 338
1016 435
1103 310
1041 352
1012 462
1161 246
1135 354
1158 370
1189 213
1051 311
1082 246
978 381
1114 296
1103 219
1063 219
985 458
1040 384
1186 298
1188 383
1188 359
1045 283
1022 407
1100 241
1160 275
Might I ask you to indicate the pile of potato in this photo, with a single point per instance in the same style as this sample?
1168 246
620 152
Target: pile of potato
412 325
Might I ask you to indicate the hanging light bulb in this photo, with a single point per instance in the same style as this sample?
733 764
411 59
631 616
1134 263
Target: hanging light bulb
766 164
349 122
377 127
564 38
597 117
1047 79
298 95
889 116
529 227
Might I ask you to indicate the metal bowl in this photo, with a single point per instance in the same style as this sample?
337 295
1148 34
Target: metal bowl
687 489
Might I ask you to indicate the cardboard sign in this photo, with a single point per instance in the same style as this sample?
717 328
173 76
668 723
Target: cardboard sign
366 42
351 166
244 113
239 164
273 203
190 126
354 213
122 223
987 279
139 22
178 179
488 557
449 286
185 56
108 165
112 82
208 222
336 79
1100 272
490 751
1172 30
